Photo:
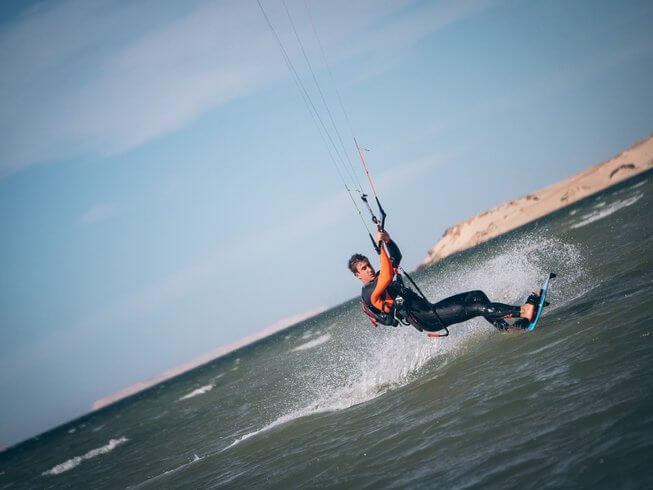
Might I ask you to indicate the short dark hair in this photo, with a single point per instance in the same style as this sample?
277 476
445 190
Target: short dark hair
355 259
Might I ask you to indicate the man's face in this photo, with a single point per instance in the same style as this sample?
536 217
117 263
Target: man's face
365 271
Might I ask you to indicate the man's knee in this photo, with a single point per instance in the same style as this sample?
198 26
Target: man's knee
476 303
477 296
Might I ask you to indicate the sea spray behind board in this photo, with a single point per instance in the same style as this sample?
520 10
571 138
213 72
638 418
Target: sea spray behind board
355 369
334 400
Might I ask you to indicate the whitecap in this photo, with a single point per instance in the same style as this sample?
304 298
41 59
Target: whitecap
606 211
195 459
313 343
198 391
73 462
639 184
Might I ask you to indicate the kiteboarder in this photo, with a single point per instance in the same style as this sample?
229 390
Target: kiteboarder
390 302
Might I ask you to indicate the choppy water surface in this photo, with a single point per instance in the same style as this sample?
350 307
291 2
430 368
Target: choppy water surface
335 402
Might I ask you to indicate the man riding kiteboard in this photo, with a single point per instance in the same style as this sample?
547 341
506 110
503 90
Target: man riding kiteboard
384 300
390 302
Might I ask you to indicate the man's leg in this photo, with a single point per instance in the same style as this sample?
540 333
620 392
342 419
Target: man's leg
464 306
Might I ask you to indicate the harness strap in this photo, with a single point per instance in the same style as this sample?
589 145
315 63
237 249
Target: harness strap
368 316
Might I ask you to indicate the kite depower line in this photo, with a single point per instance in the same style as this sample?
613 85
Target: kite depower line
325 123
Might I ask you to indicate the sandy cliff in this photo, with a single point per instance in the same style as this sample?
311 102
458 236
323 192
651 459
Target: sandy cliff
517 212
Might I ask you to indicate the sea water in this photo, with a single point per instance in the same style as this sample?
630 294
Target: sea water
335 402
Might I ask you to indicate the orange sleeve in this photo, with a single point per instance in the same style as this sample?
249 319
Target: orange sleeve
386 273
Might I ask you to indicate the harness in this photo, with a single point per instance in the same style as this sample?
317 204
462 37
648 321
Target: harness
375 316
400 312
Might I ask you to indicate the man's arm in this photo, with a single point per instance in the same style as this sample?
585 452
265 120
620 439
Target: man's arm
386 273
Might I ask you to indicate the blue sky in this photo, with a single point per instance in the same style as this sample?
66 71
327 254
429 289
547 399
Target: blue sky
164 191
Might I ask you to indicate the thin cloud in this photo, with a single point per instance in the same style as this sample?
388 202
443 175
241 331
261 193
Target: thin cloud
119 97
77 87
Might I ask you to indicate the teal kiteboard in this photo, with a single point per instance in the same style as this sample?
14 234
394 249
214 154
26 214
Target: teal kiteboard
540 305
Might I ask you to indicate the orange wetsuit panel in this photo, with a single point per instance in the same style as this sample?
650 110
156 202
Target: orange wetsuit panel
379 298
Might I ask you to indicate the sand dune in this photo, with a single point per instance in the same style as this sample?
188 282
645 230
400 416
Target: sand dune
518 212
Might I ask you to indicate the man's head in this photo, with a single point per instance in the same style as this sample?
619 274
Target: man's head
362 269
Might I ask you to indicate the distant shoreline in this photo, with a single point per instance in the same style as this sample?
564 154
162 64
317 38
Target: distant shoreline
276 327
513 214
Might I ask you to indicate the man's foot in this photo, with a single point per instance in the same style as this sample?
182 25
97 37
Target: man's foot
527 311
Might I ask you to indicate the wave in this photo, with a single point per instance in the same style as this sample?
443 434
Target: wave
387 361
391 371
639 184
198 391
73 462
195 459
602 210
313 343
340 400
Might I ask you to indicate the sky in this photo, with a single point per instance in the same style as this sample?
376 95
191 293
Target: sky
164 189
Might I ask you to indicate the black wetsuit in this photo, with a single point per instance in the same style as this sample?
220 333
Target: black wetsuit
435 316
463 306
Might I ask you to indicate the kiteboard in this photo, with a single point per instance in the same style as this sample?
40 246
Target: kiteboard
540 305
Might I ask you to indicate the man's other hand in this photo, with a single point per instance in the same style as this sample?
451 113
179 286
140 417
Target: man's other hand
382 235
